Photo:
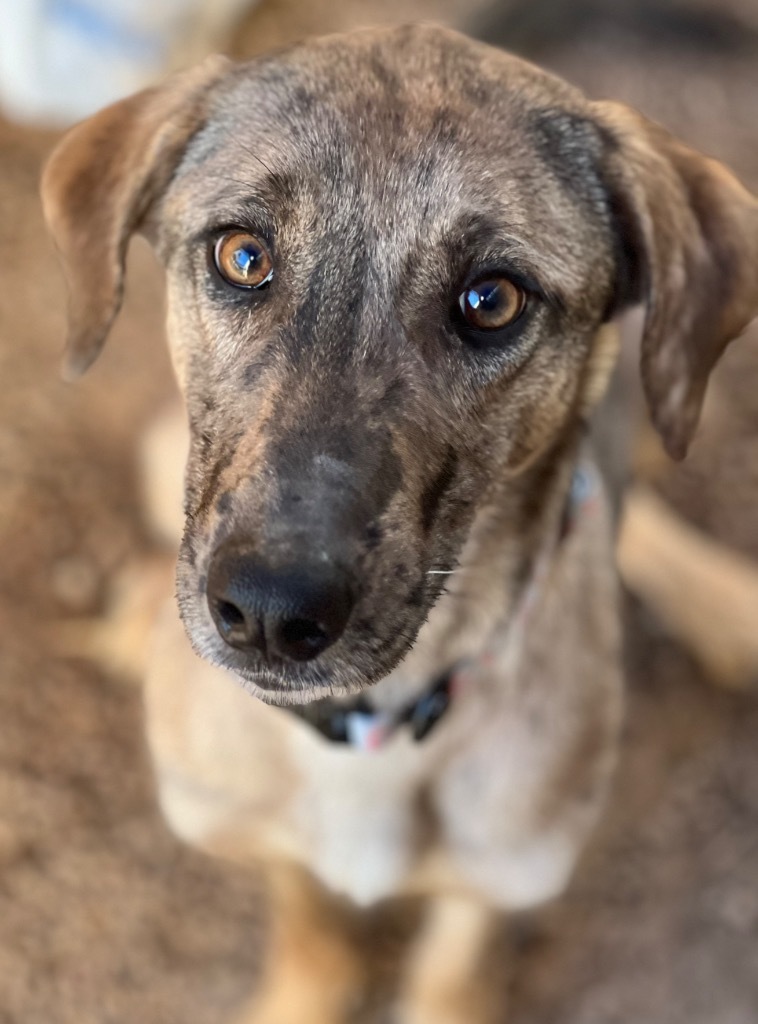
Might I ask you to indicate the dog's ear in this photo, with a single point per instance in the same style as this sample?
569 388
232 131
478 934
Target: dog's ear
98 186
688 243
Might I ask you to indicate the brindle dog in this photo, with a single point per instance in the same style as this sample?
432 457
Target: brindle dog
395 261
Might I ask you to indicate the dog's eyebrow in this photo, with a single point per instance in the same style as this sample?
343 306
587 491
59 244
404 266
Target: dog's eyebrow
236 203
495 247
536 269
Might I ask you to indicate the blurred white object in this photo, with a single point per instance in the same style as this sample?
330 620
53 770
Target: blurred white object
60 60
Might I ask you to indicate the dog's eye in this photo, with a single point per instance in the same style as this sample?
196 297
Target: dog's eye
243 260
492 303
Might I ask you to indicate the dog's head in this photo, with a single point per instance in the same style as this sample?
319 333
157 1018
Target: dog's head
389 255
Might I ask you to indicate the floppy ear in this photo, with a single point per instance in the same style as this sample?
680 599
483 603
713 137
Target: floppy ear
99 184
688 236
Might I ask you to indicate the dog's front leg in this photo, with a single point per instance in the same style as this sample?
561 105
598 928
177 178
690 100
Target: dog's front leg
312 970
448 977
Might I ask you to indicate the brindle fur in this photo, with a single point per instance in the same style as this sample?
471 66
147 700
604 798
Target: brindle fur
338 411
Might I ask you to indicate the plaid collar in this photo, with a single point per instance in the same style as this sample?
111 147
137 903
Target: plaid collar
360 726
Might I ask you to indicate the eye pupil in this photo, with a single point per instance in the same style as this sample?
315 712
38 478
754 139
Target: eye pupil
486 297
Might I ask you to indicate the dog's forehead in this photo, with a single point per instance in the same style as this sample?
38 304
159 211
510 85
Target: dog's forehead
387 73
384 97
409 131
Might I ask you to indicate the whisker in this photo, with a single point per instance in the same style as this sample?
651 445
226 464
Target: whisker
462 570
241 181
255 156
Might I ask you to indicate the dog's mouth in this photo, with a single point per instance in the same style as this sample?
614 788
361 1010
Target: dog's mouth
314 635
354 665
285 683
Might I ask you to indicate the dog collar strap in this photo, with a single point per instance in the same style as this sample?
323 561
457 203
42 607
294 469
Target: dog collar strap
359 725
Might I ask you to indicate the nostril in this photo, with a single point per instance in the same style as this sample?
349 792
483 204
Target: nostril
229 617
302 639
238 626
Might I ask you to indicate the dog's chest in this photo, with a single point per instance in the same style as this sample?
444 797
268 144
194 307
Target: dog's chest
497 801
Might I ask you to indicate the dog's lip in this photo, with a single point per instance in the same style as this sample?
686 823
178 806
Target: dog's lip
286 692
285 684
276 677
272 681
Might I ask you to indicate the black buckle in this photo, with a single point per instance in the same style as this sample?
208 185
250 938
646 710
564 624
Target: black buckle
429 709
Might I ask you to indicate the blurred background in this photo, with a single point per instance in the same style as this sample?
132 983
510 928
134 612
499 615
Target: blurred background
104 916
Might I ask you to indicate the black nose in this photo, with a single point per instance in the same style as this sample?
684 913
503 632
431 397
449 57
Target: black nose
293 612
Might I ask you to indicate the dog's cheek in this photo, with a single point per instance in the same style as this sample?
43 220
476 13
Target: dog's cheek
203 343
182 329
190 591
393 587
533 413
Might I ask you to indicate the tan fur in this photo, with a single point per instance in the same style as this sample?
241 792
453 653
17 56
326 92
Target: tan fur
442 981
313 971
704 593
438 467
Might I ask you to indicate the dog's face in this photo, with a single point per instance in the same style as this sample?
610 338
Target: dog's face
415 331
389 255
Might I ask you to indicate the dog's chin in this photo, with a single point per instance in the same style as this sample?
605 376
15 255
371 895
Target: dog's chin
289 683
285 687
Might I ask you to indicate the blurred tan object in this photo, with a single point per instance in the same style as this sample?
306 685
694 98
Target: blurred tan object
163 455
62 60
118 640
705 594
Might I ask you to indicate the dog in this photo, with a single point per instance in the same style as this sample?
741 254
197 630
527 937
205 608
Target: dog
397 260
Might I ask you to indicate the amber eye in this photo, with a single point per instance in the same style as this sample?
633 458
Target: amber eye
243 260
491 304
